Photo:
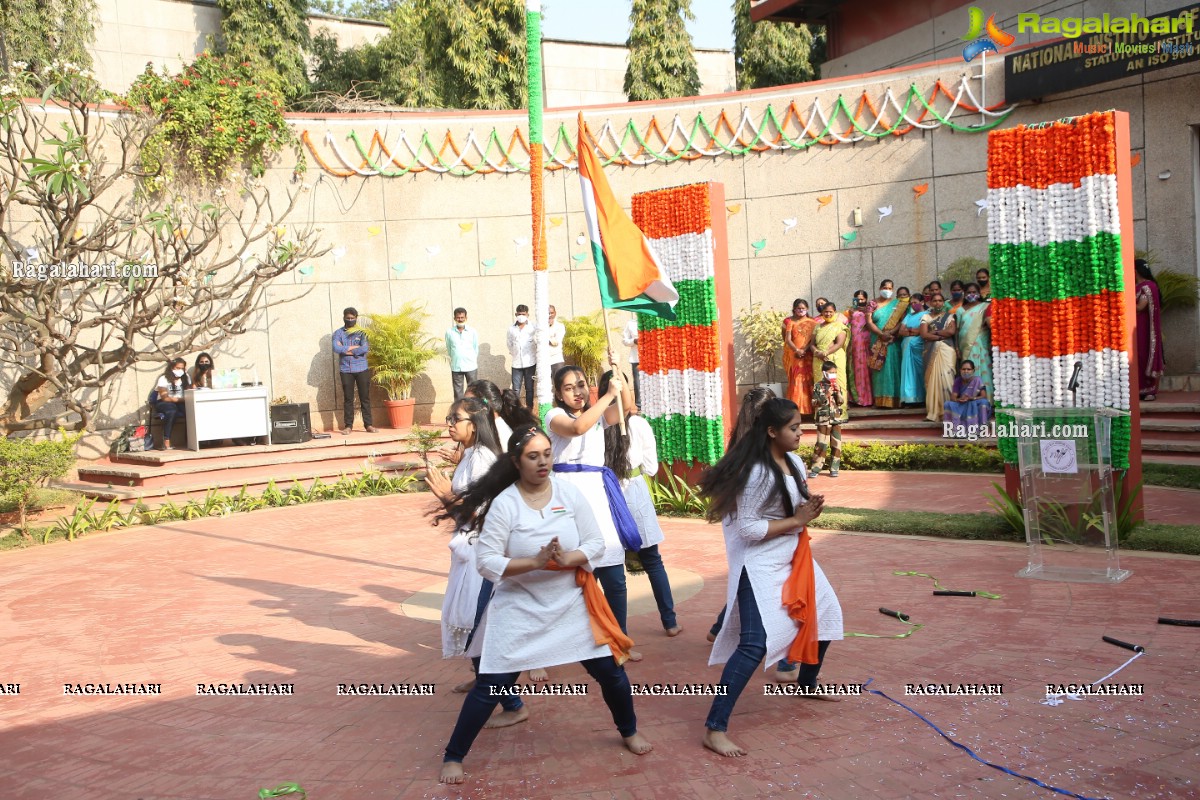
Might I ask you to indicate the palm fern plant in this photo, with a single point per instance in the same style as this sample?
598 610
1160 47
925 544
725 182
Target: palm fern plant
399 350
585 345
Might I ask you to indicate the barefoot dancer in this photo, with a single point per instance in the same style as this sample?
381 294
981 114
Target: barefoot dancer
577 434
780 602
630 457
540 536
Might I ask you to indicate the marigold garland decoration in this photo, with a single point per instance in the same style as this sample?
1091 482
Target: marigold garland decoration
1054 242
680 360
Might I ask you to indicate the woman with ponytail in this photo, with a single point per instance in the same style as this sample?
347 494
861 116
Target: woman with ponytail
539 535
780 603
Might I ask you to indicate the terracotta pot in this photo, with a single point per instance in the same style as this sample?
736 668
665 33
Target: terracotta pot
593 395
400 412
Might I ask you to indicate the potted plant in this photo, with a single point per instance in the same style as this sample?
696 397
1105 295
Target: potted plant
399 351
586 346
763 332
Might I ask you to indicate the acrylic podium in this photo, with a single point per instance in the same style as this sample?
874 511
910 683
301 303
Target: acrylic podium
1067 491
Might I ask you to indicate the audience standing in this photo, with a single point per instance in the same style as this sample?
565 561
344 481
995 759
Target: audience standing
462 348
350 344
522 349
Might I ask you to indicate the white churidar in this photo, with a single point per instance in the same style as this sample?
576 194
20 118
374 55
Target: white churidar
588 449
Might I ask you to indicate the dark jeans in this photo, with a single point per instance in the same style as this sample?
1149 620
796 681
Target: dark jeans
524 376
783 664
480 703
637 384
612 581
170 412
460 381
363 381
751 649
659 584
508 702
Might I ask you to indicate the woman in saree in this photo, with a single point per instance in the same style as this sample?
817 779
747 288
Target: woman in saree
858 378
1149 331
797 355
912 354
974 321
968 404
937 333
829 344
885 356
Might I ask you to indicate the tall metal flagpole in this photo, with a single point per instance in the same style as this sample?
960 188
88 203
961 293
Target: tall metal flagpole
541 284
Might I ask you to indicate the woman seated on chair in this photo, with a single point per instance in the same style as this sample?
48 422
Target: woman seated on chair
202 373
170 387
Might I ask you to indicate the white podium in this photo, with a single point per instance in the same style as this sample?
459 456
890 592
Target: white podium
227 414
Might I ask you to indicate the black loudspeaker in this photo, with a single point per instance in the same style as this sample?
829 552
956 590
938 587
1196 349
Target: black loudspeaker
290 424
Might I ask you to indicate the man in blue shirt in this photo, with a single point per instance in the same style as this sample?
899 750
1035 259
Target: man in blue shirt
350 344
462 346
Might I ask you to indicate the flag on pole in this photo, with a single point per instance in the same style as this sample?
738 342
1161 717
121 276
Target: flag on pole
631 279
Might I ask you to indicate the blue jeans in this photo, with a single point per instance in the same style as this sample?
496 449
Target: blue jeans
508 702
741 666
480 702
523 376
783 664
612 581
659 584
170 411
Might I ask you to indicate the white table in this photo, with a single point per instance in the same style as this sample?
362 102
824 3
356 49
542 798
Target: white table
227 414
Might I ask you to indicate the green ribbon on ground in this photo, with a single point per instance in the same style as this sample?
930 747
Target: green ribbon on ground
938 586
913 627
281 790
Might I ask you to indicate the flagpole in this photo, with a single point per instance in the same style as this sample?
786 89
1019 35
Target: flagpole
621 376
541 284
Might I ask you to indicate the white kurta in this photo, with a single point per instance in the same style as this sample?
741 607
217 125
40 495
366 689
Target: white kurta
502 431
768 564
462 588
537 619
643 452
588 449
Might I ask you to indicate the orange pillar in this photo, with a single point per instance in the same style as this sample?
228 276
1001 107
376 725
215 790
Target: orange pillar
1133 476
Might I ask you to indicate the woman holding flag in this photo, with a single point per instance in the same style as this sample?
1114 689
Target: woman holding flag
539 535
780 603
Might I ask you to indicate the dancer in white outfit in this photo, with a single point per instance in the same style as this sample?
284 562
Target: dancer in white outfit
779 601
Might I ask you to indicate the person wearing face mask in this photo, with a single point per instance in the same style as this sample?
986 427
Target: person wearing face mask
462 348
858 374
169 404
351 346
984 278
829 345
974 323
885 345
522 346
203 371
829 398
968 403
912 354
937 333
555 333
956 296
798 332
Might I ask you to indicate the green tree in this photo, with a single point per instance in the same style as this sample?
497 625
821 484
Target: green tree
661 60
359 9
476 51
39 32
774 53
272 36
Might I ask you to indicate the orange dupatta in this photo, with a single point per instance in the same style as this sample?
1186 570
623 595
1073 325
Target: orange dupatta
605 629
800 600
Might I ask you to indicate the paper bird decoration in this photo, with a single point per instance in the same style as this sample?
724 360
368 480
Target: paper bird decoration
920 189
847 238
465 226
208 276
884 211
789 223
758 246
1135 159
399 267
337 253
520 242
374 230
433 249
946 228
281 231
555 222
579 257
824 200
581 240
307 269
733 209
980 206
488 263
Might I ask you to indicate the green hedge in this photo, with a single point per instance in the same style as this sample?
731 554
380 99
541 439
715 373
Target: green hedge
908 457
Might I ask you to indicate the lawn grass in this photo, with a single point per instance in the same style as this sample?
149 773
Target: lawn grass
1179 476
43 499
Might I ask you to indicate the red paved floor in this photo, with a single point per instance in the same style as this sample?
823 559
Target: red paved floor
311 596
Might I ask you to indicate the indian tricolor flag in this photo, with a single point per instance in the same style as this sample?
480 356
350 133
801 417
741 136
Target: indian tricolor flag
630 276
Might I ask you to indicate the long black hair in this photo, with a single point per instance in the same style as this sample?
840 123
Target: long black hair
725 480
560 376
752 405
616 446
469 509
1142 269
185 380
513 412
486 391
481 417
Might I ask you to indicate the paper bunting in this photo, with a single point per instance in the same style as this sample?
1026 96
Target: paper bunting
946 228
980 206
733 209
758 246
374 230
337 253
789 223
884 211
488 263
555 222
1135 159
465 227
920 189
399 267
823 201
847 238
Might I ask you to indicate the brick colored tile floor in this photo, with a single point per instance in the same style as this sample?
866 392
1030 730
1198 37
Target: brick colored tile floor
313 596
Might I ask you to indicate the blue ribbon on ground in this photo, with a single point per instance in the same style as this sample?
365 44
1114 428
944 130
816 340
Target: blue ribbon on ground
627 529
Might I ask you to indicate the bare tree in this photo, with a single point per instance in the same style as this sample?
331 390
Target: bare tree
162 272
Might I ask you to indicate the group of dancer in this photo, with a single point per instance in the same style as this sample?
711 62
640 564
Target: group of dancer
543 529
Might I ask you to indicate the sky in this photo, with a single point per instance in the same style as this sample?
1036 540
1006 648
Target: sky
608 21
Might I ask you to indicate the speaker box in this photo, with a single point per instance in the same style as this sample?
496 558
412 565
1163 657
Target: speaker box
290 424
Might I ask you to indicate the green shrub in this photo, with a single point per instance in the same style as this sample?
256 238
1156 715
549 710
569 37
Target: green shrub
905 457
27 464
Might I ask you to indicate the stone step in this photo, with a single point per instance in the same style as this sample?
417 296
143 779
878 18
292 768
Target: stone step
1179 383
1172 425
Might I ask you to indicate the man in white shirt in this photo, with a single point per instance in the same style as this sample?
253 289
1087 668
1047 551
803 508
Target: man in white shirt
555 334
462 347
523 348
630 337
